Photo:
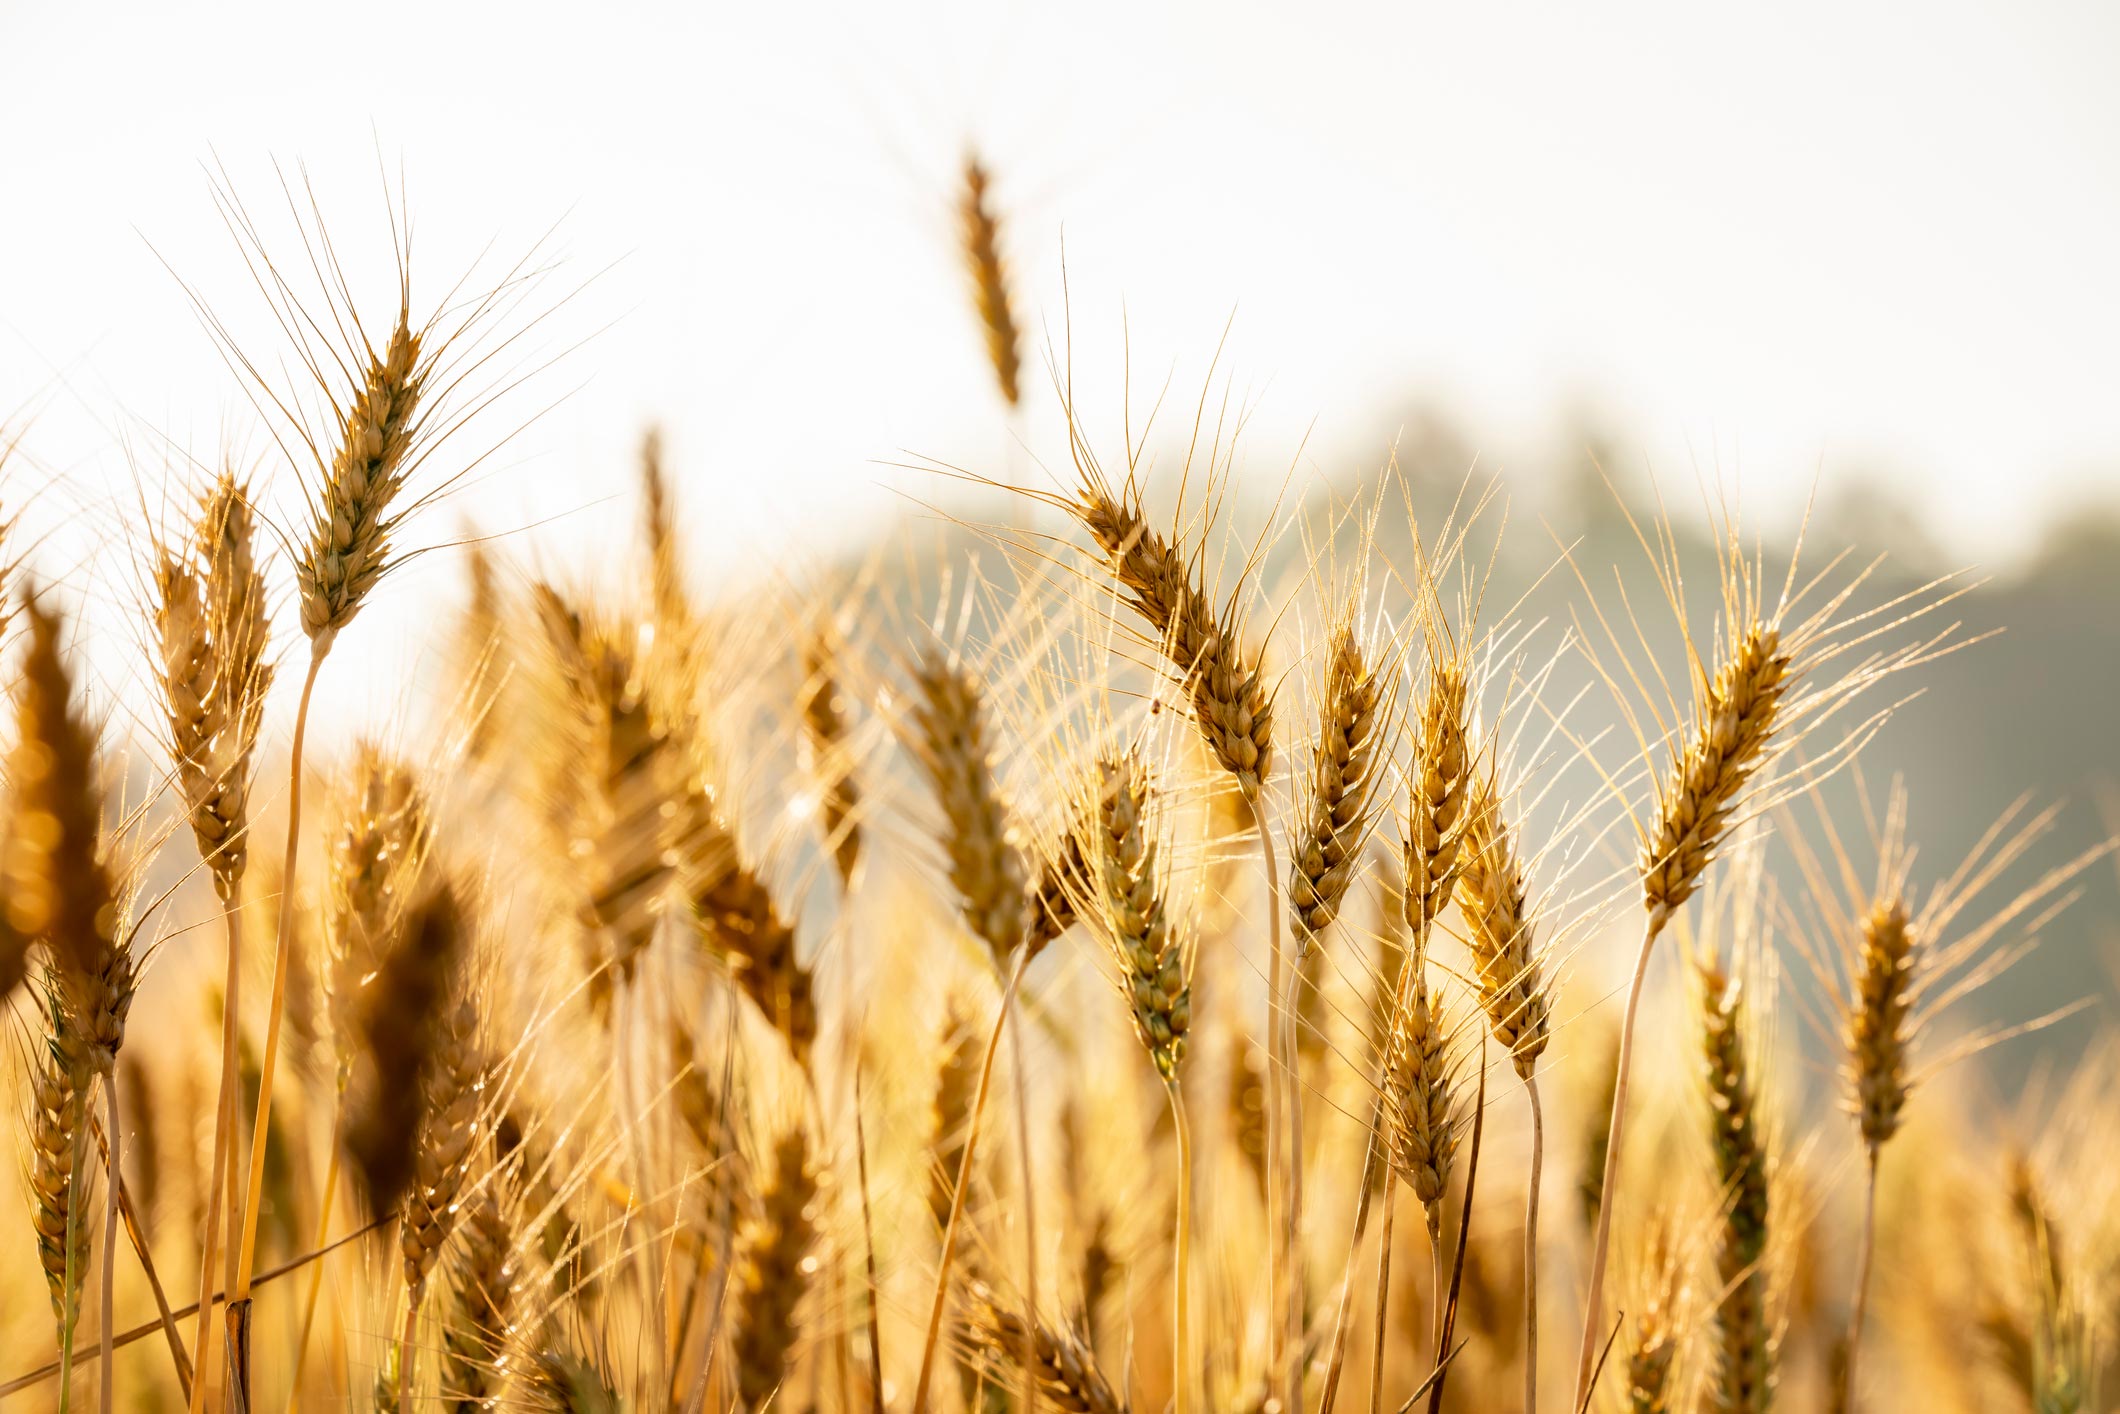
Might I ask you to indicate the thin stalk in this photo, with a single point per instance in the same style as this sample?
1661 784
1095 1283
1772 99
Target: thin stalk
316 1275
1290 1047
1538 1159
964 1179
405 1350
1435 1276
1376 1366
868 1243
239 1291
224 1125
110 1241
1181 1331
1026 1347
1593 1308
1286 1158
1372 1164
1457 1263
1862 1282
79 1107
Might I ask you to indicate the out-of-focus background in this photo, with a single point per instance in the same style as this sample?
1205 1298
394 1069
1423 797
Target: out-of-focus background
1857 253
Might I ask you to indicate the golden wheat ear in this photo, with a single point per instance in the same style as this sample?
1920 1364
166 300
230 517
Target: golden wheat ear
1062 1363
774 1270
979 233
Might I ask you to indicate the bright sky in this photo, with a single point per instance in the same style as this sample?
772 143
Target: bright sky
1774 239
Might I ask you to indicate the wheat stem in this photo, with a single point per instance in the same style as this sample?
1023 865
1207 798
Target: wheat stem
1538 1159
72 1318
964 1177
1376 1366
1288 1158
1372 1163
1593 1309
1862 1281
110 1240
239 1292
1181 1329
217 1171
1030 1207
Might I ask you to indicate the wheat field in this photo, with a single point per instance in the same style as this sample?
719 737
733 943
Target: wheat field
1129 941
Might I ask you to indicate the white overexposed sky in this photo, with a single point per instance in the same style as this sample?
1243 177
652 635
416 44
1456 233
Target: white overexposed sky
1783 241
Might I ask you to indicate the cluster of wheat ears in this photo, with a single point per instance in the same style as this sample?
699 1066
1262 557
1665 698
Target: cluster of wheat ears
1044 996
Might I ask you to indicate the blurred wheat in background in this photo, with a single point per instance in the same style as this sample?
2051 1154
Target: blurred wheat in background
1035 956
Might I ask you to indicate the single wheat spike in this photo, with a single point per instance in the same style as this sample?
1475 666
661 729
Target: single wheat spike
481 652
477 1365
827 755
375 865
666 562
980 231
1060 877
1656 1331
985 860
59 1210
558 1381
448 1139
1733 721
1744 1346
773 1271
619 825
1129 907
1490 895
1436 795
1877 1022
402 1028
956 1081
1065 1367
349 545
739 920
1421 1118
696 1089
1335 814
1231 703
60 891
210 619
